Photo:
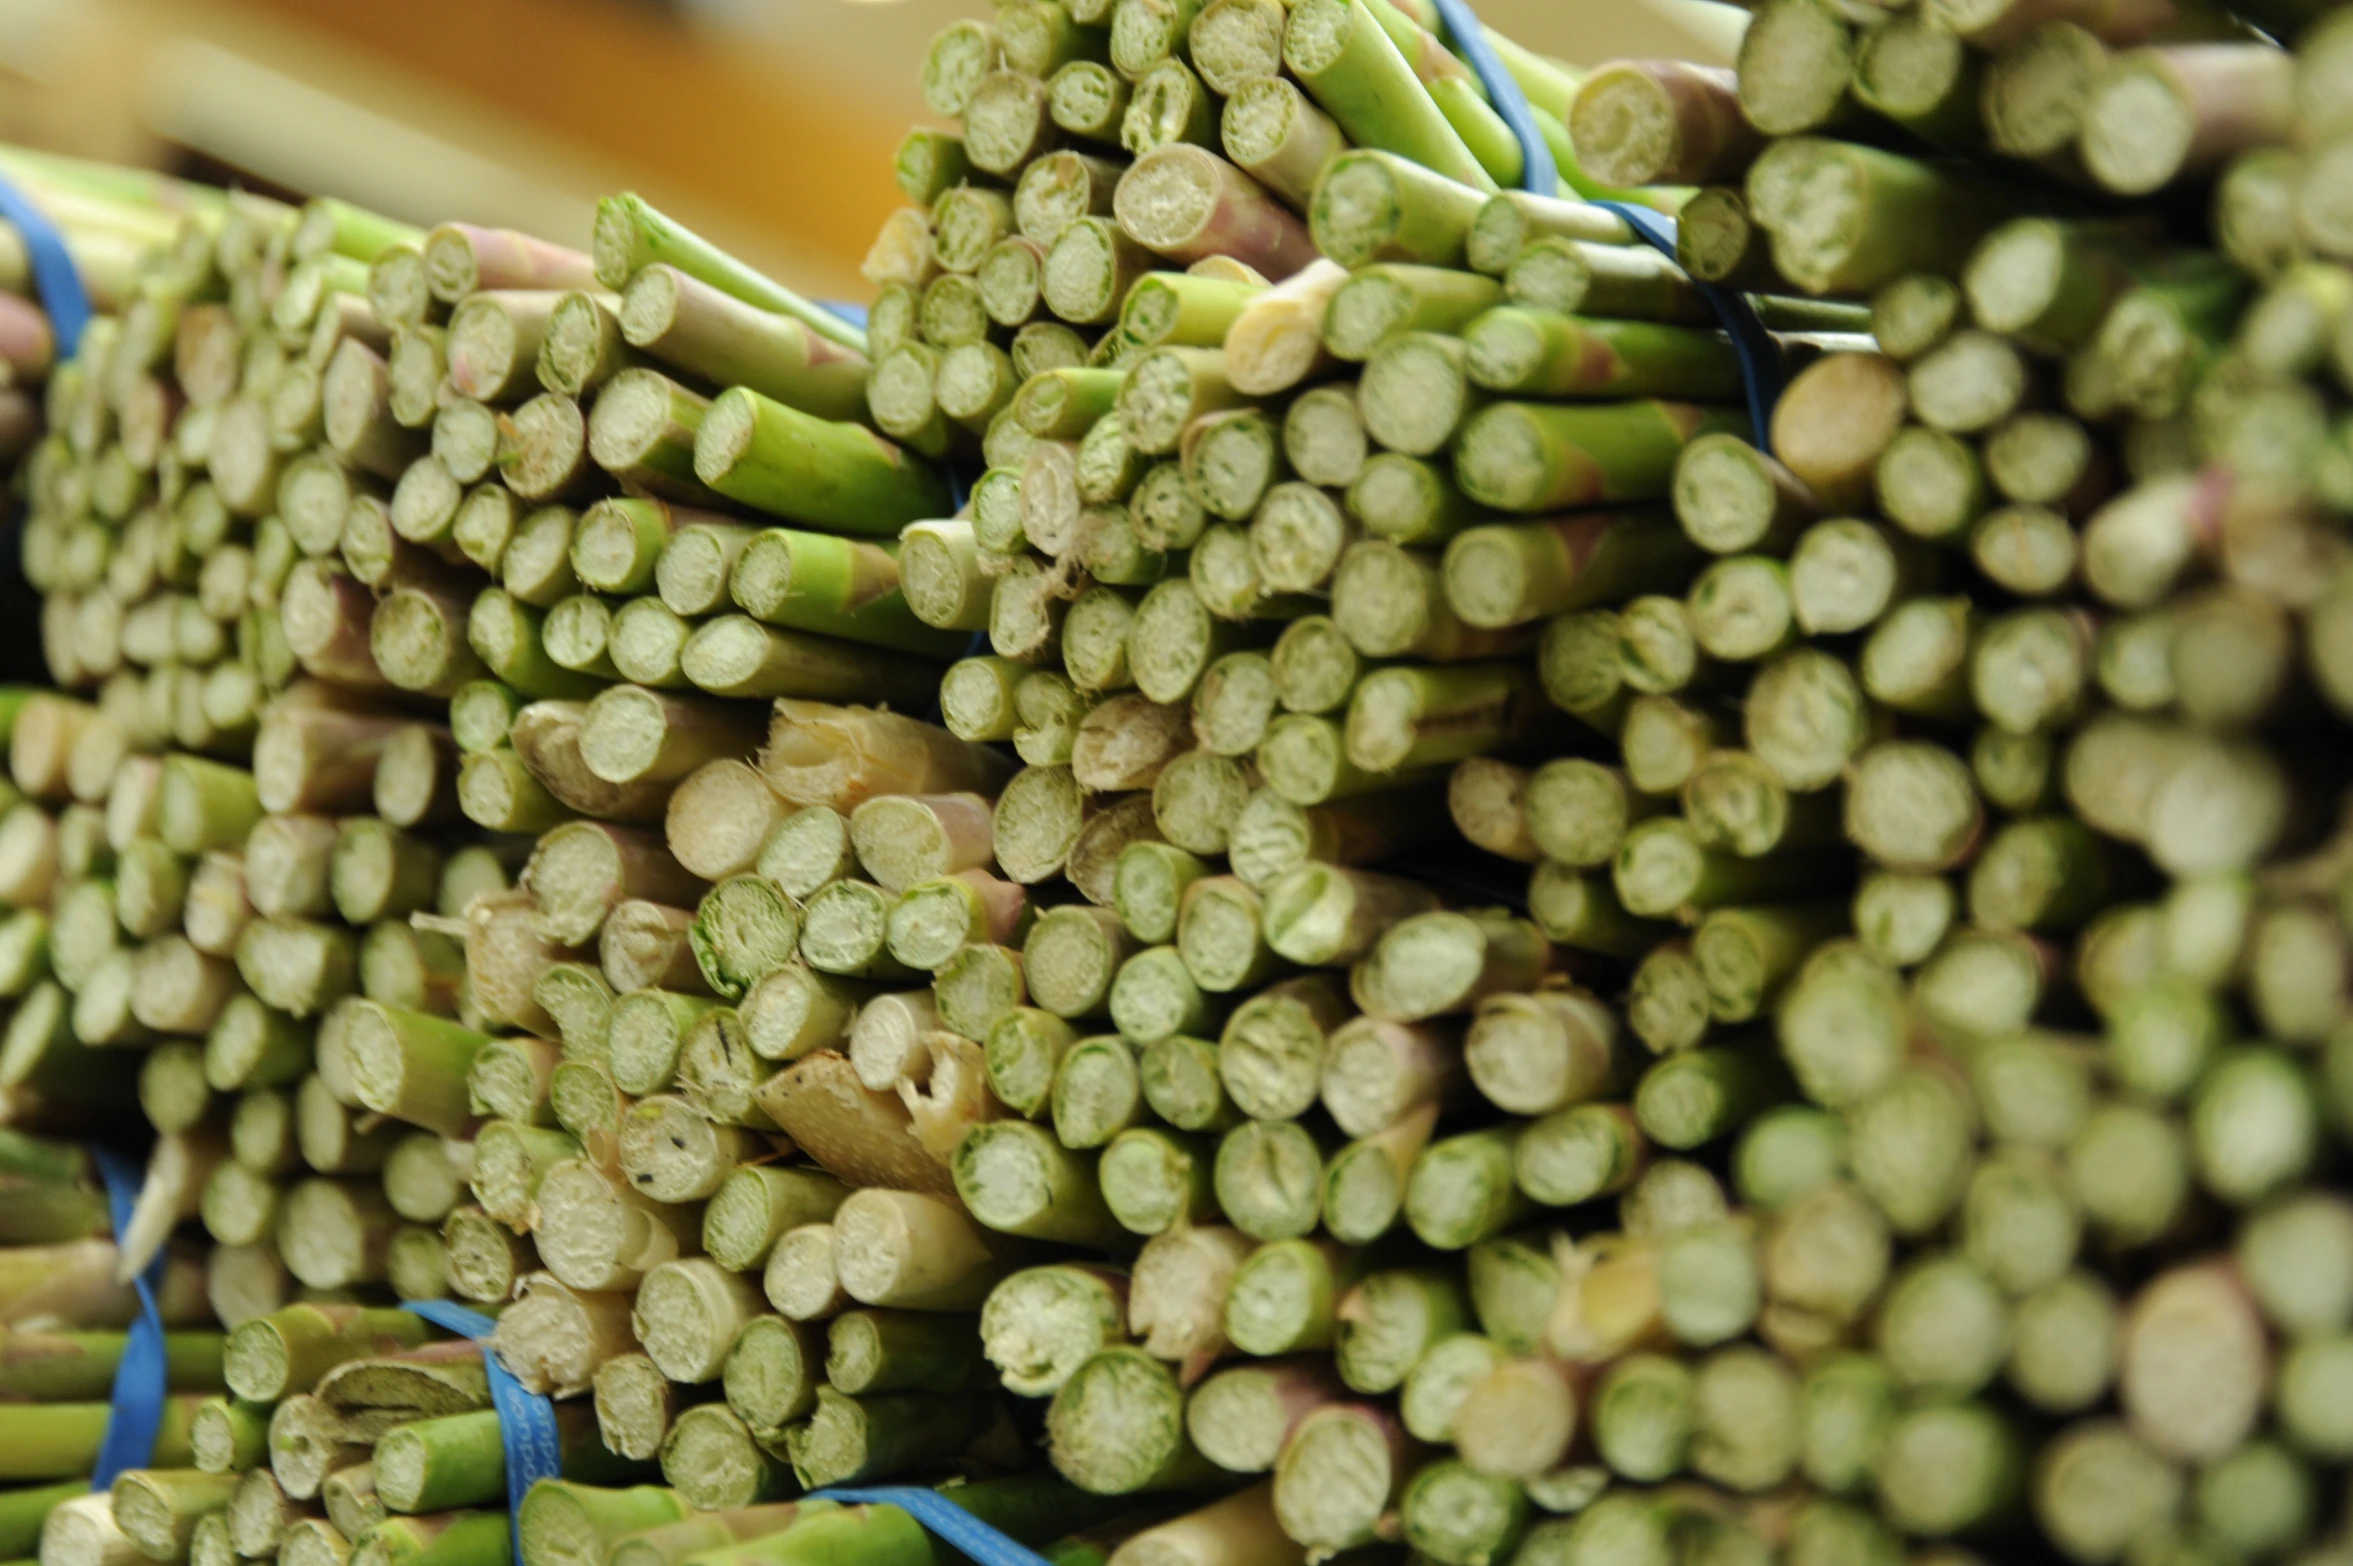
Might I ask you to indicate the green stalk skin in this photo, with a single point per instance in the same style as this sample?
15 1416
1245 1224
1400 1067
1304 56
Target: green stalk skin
1440 963
1512 220
565 1524
833 586
159 1507
1154 1180
674 1543
1689 1099
435 1465
1043 1322
1364 1184
272 1356
329 225
1341 54
1538 354
870 1351
1270 1177
1460 1190
1371 205
2261 1095
1274 1046
852 1438
1314 1503
1089 270
1381 302
706 332
60 1440
2158 114
1023 1055
1896 216
1409 500
779 460
1284 1297
1182 1085
1411 717
1097 1092
1510 573
1065 404
1328 916
1732 498
647 1030
1530 458
1017 1179
505 633
25 1509
203 805
1661 122
1918 311
1181 310
1389 1320
412 1066
70 1367
1186 203
1572 277
1454 1513
631 235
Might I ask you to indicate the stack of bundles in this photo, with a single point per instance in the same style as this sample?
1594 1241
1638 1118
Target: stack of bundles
1903 1114
1948 808
65 1300
349 1434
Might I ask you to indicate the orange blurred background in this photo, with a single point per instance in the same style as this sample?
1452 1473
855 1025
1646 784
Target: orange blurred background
768 124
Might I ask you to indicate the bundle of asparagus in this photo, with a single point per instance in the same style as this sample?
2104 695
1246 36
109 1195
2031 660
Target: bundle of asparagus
1932 943
64 1316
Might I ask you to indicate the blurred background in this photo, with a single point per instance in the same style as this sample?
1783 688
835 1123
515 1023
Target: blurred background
768 124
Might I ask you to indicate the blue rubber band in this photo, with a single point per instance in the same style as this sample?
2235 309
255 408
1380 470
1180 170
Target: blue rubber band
140 1376
1538 173
55 277
1760 356
944 1518
526 1421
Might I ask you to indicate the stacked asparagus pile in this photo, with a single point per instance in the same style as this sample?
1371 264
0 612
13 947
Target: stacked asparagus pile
1903 1113
2018 612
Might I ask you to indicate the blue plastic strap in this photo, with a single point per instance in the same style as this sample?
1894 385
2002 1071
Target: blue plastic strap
140 1376
1760 356
54 276
1538 173
944 1518
526 1421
